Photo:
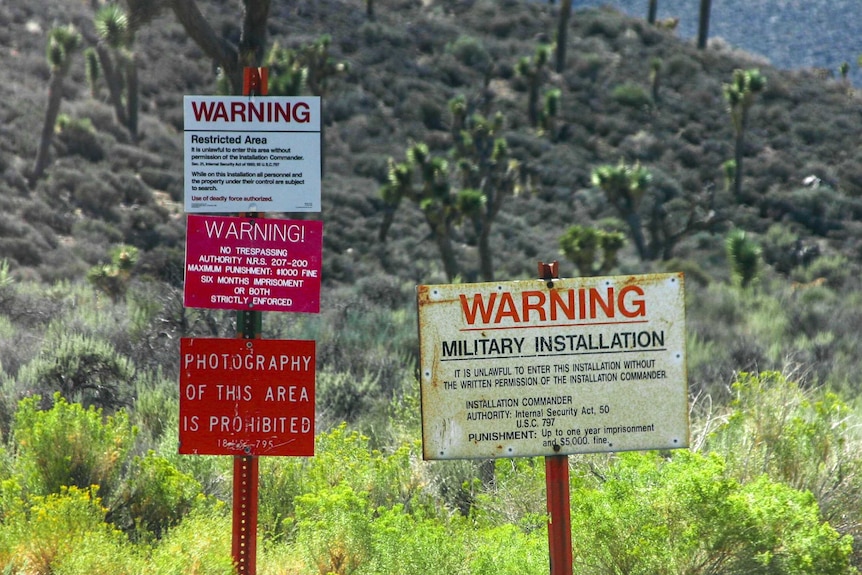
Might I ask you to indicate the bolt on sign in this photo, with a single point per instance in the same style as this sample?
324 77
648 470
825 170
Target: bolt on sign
553 367
253 264
246 397
245 154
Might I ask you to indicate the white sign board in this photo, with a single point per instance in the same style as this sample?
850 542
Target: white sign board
251 154
538 368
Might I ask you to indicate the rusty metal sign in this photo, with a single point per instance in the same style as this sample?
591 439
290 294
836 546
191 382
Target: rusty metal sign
246 397
553 367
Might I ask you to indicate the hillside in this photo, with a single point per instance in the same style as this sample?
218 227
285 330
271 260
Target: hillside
91 301
802 175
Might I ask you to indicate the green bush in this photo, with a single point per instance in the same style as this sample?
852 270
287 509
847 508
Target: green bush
470 52
651 515
200 545
153 497
795 436
410 545
65 533
341 457
333 530
506 550
69 446
631 95
78 137
81 368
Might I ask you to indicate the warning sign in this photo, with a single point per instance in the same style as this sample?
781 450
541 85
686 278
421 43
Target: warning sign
538 368
246 154
246 397
253 264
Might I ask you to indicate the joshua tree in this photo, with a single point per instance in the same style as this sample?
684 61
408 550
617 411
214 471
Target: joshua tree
485 173
231 58
744 256
655 79
703 23
581 245
488 176
562 35
625 186
118 64
740 94
534 71
63 41
651 11
550 111
432 193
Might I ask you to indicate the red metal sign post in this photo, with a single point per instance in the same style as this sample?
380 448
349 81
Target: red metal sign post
557 487
249 325
246 396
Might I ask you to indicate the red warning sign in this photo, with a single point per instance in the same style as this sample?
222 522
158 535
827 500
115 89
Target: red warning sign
246 397
253 264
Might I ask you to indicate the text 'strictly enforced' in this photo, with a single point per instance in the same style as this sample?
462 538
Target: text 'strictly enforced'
252 154
554 367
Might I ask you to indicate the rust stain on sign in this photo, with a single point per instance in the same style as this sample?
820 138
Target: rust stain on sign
543 367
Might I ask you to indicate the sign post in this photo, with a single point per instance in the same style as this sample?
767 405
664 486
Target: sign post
552 367
250 155
249 325
557 485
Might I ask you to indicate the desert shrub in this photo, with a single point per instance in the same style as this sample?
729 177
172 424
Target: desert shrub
631 95
153 497
603 22
470 52
795 436
38 211
333 530
649 513
811 133
589 65
410 545
212 473
78 137
97 196
144 227
836 271
388 478
500 24
81 368
65 533
517 497
343 105
692 269
785 250
21 250
156 406
281 481
506 550
200 544
343 397
95 231
68 445
376 33
163 263
132 190
159 178
342 457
